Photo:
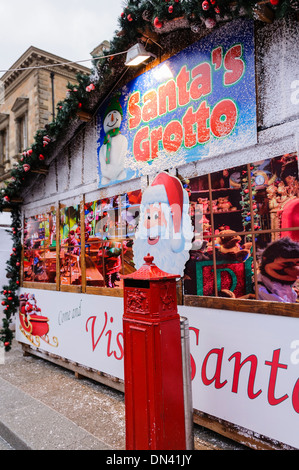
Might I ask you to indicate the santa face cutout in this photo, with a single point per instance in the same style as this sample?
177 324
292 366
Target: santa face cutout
154 223
164 230
112 121
283 269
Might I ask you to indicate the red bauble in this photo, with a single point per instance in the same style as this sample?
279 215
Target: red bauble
41 157
3 302
274 2
129 17
170 8
7 343
9 298
205 5
157 23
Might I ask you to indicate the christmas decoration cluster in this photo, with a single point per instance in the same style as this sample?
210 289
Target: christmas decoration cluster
139 18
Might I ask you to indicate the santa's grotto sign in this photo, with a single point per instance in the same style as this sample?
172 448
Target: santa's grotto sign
198 103
244 366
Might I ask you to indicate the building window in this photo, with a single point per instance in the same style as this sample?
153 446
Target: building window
3 147
20 109
22 133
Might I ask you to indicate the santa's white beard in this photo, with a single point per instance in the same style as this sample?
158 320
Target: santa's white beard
164 257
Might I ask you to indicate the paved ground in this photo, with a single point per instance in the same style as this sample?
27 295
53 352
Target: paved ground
44 406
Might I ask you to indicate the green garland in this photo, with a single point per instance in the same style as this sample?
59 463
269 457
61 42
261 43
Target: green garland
10 299
138 16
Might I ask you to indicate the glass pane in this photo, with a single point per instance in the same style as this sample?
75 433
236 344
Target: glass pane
130 207
227 189
129 266
112 256
94 263
35 269
278 268
28 264
70 265
276 189
31 232
106 223
234 262
40 248
199 204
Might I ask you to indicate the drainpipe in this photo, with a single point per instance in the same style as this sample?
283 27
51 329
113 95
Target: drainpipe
53 100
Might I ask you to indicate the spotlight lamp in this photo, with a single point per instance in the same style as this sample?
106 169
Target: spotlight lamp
137 55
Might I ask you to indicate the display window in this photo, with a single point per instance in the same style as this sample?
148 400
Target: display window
109 231
70 245
242 216
243 213
39 260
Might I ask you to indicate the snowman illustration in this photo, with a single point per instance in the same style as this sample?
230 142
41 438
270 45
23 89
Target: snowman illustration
114 148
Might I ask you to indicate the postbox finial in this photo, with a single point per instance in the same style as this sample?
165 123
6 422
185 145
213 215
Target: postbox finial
148 259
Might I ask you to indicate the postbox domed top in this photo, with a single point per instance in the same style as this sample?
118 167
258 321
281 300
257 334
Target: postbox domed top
149 271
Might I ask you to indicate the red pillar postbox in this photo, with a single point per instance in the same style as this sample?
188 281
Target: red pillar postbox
154 396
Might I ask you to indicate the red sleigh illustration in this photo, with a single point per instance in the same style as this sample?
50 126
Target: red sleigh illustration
32 324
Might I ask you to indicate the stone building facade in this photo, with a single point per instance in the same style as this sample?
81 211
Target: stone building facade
30 100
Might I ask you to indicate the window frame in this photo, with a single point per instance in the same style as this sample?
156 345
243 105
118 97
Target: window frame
4 151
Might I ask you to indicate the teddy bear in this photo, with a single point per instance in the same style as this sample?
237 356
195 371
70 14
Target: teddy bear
224 205
205 204
228 244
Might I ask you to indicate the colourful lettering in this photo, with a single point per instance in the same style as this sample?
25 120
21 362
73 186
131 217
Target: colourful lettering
234 65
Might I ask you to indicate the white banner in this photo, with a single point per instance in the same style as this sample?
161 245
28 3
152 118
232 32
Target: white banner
245 367
83 328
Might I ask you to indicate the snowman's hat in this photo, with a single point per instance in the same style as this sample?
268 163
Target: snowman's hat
114 105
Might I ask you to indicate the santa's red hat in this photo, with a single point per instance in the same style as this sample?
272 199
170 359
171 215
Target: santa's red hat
168 189
290 219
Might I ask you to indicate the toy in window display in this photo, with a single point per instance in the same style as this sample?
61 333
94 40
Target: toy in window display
111 252
164 230
70 265
72 243
204 201
114 148
229 247
224 205
279 271
88 225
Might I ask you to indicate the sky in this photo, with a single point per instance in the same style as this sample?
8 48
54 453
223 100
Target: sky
68 28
